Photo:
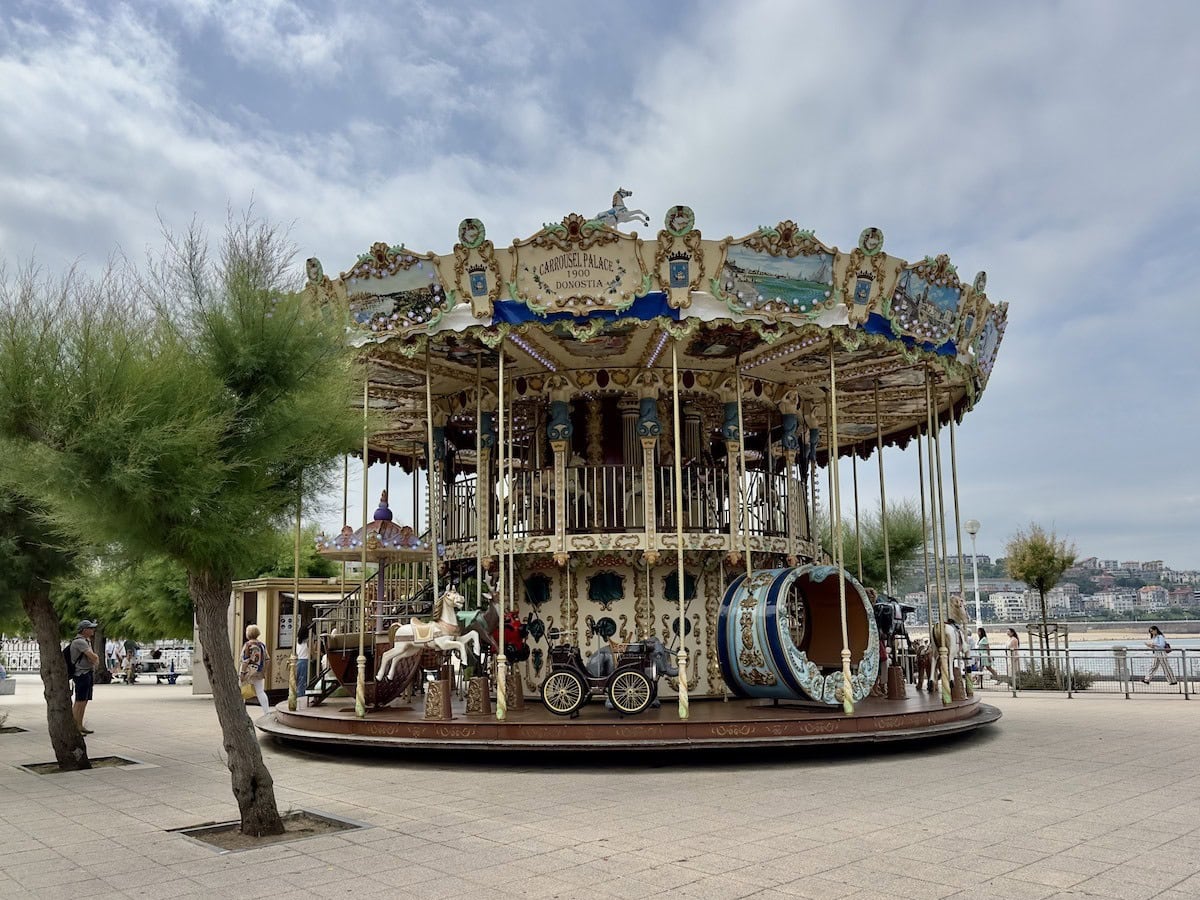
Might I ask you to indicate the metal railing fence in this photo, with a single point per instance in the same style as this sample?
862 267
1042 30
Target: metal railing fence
1125 671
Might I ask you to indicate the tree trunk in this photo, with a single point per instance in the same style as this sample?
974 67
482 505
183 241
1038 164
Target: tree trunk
1045 632
253 786
70 749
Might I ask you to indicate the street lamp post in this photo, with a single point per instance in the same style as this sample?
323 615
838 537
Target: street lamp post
972 526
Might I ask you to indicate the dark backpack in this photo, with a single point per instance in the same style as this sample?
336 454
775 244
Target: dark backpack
69 659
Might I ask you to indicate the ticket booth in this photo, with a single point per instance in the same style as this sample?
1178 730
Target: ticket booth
268 603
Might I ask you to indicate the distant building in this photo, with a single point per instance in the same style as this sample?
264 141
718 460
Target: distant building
1009 605
1108 564
1152 596
1090 563
1180 596
1116 600
1154 565
1059 598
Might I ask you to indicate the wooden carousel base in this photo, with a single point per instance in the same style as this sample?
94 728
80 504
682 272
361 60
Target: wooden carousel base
712 724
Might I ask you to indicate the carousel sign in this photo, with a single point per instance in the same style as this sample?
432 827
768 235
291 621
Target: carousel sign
578 264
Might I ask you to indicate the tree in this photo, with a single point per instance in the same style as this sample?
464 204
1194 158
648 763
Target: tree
280 559
1039 560
189 426
905 536
32 556
144 599
29 565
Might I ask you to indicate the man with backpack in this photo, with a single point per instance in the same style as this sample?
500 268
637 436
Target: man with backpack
82 661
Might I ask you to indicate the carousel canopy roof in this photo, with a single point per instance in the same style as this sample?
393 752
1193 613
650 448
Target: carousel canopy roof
581 308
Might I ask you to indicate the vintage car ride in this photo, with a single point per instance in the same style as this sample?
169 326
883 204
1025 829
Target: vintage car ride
631 687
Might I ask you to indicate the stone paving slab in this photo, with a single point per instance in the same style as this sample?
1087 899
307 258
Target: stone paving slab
1090 797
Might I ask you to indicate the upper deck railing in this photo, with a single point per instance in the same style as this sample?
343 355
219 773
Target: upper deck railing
612 499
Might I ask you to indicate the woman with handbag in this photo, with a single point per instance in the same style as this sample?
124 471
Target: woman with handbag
1158 643
253 673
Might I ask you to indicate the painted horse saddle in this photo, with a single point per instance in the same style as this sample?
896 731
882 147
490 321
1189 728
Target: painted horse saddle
425 632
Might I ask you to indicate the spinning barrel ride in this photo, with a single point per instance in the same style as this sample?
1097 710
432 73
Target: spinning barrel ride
778 634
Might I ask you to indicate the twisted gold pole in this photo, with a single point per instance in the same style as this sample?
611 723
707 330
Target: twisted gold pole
934 518
293 687
682 656
883 514
360 686
836 505
502 584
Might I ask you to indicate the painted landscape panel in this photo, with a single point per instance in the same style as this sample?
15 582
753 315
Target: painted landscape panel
755 277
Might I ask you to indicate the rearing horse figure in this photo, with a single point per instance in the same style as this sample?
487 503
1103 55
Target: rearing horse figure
620 213
442 634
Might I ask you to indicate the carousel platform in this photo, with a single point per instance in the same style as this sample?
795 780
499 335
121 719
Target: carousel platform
713 724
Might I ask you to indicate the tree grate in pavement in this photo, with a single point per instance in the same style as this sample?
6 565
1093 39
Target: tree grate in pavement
298 825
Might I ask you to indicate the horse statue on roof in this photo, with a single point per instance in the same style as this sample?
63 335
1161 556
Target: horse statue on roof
619 213
443 633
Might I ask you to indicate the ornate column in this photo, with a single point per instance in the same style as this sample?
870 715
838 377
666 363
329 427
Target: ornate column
595 446
791 444
732 435
558 432
692 442
436 484
628 407
649 429
483 480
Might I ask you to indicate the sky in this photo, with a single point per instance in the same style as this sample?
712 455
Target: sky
1054 145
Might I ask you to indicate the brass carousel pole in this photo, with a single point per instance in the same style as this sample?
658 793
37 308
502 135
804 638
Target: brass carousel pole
941 484
834 552
433 504
682 656
857 528
345 508
883 515
501 584
360 686
744 488
934 516
478 477
836 503
962 589
935 519
925 532
293 688
512 550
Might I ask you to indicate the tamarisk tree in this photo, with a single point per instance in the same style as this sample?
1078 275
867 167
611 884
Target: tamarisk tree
184 428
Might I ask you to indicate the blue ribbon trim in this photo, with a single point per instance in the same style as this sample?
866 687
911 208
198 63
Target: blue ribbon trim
651 306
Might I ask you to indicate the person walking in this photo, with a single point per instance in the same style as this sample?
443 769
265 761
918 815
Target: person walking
1158 643
83 670
302 656
131 652
1014 648
985 654
254 666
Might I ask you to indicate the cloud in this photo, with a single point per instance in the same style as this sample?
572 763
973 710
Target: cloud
1047 144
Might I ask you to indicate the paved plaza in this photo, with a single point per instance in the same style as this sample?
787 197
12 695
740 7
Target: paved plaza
1092 797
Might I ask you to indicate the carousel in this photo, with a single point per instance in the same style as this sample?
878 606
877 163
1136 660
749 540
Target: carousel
628 513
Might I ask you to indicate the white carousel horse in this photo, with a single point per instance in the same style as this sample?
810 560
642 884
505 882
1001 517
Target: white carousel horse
619 213
443 634
949 636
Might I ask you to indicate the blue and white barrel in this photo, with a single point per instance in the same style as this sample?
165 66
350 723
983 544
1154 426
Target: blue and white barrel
779 635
